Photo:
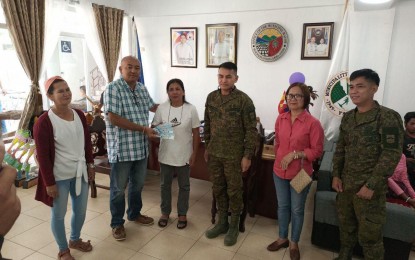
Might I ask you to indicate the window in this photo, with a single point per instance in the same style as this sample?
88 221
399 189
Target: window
14 83
71 59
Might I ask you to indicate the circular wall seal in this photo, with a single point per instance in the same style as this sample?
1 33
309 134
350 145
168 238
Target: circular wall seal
336 94
269 42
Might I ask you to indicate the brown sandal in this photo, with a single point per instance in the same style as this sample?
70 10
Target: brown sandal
81 245
64 252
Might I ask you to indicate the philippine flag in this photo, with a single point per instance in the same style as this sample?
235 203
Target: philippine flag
282 107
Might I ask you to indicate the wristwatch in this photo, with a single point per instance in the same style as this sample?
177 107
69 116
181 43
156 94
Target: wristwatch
90 165
370 187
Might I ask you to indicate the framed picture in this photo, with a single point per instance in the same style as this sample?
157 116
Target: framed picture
221 43
183 47
317 41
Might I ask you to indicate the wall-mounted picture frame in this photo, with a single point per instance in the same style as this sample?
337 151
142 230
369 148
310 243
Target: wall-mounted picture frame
221 43
183 47
317 41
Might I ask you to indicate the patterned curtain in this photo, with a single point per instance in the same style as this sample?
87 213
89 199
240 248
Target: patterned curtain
109 24
26 23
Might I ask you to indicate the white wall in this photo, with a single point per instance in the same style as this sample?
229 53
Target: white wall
400 82
120 4
263 81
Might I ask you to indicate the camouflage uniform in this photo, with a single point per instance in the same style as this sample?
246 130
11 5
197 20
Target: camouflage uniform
230 133
367 152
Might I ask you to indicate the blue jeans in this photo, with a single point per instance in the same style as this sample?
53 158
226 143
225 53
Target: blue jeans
290 207
166 179
60 204
134 174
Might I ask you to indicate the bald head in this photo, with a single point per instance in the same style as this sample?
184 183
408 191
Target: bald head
126 58
130 70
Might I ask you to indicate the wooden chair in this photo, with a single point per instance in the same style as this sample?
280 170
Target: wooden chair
101 166
98 138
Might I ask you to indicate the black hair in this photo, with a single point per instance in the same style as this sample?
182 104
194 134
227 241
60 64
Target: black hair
83 88
180 83
368 74
408 116
51 88
229 65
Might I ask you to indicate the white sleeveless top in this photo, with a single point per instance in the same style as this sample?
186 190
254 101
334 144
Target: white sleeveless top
69 149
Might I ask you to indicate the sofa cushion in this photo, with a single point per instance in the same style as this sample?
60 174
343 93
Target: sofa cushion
400 220
325 208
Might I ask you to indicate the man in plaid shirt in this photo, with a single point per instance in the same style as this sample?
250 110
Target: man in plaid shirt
127 105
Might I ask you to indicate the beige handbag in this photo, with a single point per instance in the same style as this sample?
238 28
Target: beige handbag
301 180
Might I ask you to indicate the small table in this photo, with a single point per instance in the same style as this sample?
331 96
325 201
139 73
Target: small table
266 203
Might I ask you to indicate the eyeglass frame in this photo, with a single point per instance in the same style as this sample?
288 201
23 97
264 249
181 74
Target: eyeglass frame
135 96
294 96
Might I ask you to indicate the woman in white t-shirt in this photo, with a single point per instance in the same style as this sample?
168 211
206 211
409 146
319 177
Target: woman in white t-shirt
178 154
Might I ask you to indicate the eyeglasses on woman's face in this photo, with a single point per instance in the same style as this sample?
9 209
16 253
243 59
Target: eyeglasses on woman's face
294 96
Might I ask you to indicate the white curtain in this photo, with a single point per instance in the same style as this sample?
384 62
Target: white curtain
370 40
91 34
133 37
53 28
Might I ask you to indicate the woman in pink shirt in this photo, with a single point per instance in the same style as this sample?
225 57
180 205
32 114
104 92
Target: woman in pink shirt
298 137
399 182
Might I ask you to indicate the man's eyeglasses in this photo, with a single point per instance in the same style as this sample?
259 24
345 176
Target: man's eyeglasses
294 96
134 96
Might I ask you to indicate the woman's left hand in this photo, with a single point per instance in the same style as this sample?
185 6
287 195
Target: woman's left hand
91 174
287 160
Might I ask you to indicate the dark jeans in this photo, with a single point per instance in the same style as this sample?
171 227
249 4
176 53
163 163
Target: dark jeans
134 174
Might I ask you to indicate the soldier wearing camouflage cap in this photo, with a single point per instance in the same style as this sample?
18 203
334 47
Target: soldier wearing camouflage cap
230 136
367 152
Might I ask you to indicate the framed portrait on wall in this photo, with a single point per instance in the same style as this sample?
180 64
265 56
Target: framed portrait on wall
317 41
183 47
221 43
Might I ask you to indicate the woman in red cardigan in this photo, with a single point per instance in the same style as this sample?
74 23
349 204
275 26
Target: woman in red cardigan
64 154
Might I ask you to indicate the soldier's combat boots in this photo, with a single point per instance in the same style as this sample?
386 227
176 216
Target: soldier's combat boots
220 228
345 254
233 232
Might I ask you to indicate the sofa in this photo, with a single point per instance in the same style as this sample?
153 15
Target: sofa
399 230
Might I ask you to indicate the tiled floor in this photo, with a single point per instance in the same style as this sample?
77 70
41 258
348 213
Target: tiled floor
31 236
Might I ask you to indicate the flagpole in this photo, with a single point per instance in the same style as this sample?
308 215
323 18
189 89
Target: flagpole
346 3
138 54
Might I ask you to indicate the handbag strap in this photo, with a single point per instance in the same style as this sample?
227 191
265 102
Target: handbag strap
302 163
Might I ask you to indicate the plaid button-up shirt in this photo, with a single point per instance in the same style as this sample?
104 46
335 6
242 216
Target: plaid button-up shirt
122 144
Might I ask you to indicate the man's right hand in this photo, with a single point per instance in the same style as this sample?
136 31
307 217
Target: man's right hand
150 132
337 184
9 202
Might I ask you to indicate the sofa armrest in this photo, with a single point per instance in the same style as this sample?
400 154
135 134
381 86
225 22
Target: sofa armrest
324 181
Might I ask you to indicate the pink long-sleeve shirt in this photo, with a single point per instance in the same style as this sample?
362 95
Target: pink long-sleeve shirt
399 181
305 134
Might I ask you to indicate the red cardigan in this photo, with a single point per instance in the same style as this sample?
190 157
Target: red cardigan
45 153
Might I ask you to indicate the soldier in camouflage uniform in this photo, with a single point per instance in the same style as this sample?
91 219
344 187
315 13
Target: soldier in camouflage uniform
367 152
230 136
